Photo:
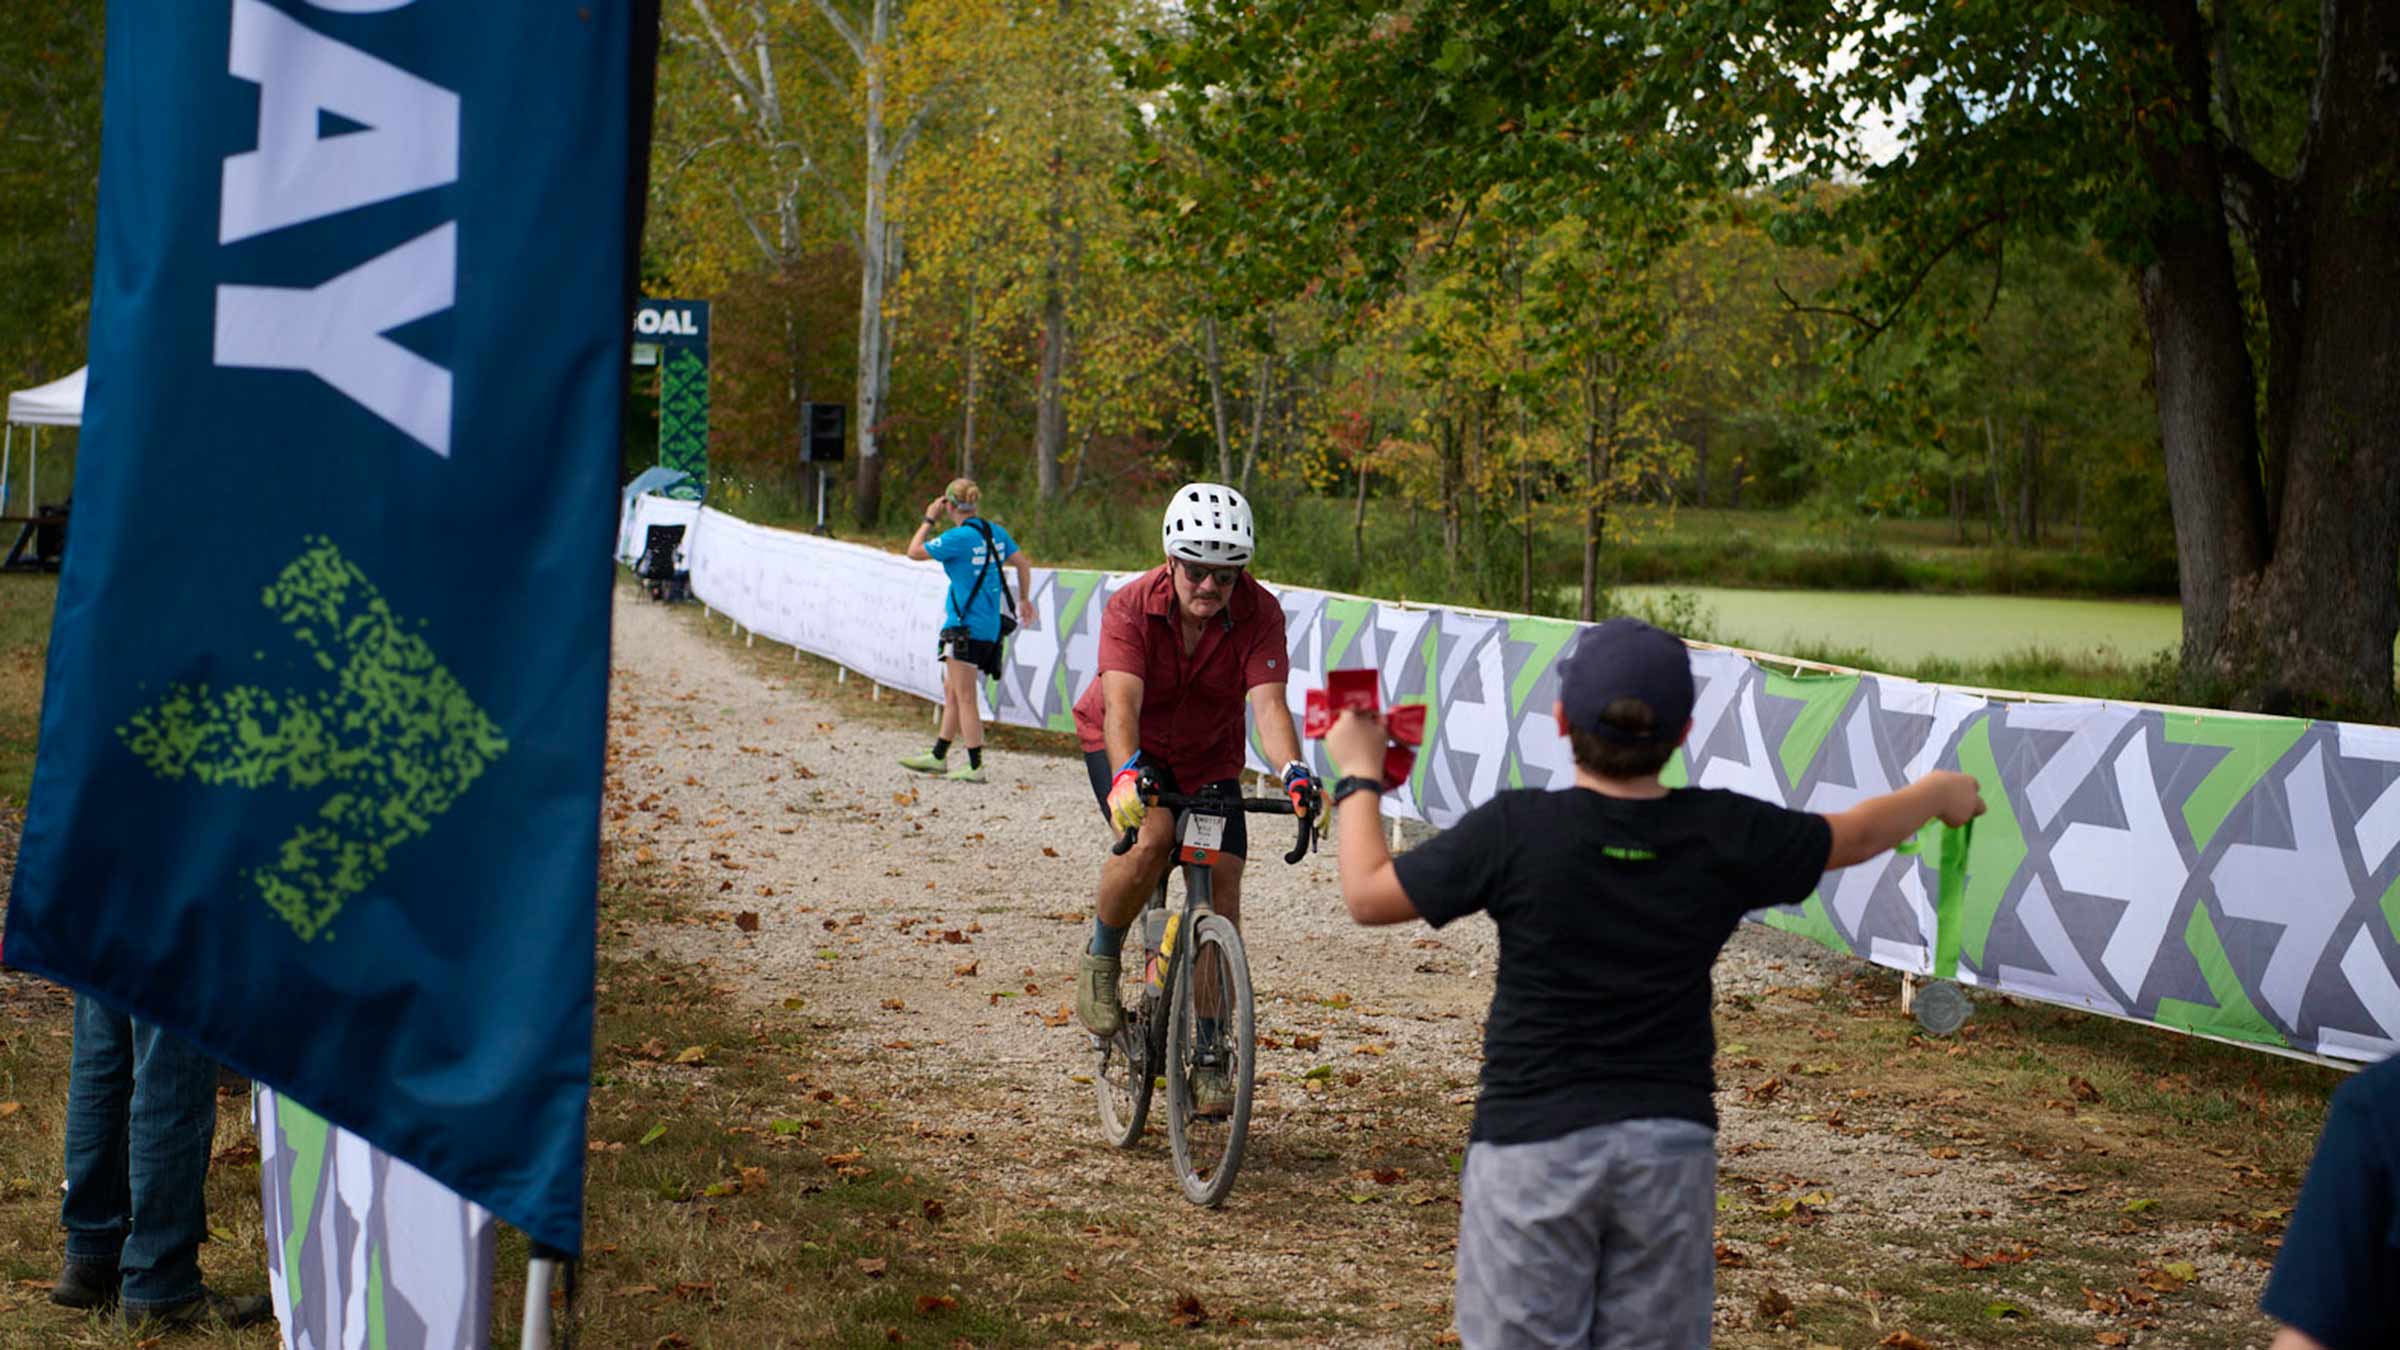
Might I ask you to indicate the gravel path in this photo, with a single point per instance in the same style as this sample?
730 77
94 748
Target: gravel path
931 928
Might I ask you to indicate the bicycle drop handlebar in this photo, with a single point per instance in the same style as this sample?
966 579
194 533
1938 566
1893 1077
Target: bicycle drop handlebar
1260 806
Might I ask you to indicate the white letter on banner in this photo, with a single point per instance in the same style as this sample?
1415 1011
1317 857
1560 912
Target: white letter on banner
335 332
295 174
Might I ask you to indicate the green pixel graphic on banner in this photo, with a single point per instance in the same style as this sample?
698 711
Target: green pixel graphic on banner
683 420
397 740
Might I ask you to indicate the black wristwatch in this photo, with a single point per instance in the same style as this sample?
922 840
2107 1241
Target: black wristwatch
931 521
1349 785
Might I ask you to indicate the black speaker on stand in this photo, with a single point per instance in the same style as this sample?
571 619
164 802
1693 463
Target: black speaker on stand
822 429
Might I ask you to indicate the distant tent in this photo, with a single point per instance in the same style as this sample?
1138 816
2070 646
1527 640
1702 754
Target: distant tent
56 404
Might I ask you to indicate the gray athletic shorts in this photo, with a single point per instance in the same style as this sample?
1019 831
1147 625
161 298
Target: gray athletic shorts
1603 1237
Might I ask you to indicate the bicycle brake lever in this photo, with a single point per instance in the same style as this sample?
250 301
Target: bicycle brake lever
1124 843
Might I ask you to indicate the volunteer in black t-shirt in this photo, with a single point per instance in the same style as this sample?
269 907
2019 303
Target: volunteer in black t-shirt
2336 1284
1590 1185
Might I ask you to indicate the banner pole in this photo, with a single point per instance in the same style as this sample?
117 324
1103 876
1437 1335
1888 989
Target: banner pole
539 1272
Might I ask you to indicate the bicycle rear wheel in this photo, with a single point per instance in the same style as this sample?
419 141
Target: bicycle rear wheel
1126 1071
1213 979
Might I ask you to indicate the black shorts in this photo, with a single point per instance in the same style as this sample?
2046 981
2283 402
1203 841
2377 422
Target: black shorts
1237 836
956 645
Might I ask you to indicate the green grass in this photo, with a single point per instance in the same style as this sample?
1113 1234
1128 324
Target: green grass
26 600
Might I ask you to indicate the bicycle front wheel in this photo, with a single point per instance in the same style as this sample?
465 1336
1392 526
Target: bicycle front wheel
1126 1070
1211 1062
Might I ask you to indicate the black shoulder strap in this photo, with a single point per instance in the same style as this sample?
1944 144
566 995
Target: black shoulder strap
991 560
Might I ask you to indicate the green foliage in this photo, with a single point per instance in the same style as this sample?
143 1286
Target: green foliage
49 183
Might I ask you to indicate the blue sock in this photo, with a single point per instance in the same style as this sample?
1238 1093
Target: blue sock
1107 941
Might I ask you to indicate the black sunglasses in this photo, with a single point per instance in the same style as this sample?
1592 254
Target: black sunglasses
1199 576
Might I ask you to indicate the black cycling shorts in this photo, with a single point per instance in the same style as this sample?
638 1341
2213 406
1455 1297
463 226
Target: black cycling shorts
956 645
1237 835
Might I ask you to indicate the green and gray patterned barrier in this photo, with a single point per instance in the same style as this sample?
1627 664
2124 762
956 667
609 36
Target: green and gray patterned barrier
365 1252
2229 875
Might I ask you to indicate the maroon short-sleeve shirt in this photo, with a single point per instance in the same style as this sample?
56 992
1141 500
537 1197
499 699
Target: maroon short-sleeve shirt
1193 707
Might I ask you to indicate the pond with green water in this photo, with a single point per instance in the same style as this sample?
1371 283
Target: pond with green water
1906 628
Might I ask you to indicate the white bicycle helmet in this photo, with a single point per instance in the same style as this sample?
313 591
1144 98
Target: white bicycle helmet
1210 524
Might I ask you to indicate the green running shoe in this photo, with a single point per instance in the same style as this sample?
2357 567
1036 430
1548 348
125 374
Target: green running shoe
1212 1089
1096 1004
967 773
925 761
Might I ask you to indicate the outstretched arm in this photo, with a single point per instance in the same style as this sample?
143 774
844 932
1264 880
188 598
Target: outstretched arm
1873 826
1371 888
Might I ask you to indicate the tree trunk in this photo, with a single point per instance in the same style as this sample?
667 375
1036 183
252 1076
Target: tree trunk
1741 474
1700 463
1991 464
1050 412
974 364
2029 478
1214 362
2309 626
1358 522
1258 421
1450 483
2079 478
1958 504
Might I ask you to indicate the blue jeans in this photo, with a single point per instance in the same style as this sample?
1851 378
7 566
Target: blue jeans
141 1116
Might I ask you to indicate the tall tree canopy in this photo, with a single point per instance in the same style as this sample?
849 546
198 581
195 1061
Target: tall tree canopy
2236 157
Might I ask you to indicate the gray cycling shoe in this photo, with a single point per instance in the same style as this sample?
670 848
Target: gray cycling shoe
1096 1004
1212 1090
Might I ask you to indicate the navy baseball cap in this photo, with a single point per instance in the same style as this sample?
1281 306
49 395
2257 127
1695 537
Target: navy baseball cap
1629 659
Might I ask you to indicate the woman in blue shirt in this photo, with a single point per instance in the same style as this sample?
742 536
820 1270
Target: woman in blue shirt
971 551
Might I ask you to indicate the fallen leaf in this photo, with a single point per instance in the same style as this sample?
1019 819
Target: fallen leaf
933 1211
657 1132
2083 1089
1188 1312
1945 1153
1049 852
843 1159
1902 1340
2113 1338
965 968
895 1005
693 1054
954 936
873 1267
930 1304
747 921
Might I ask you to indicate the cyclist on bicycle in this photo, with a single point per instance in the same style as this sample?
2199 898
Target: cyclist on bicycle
1181 646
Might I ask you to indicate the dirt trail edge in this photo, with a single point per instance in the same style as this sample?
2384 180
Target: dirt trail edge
926 932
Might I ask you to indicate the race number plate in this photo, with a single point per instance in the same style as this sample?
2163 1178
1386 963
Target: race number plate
1203 831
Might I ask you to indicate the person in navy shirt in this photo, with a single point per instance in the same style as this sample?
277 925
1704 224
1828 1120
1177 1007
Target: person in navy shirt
2336 1283
971 551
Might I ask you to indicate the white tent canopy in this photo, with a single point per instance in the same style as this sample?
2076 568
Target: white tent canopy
56 404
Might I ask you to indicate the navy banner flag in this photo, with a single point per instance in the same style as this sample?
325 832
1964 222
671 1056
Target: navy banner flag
319 775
